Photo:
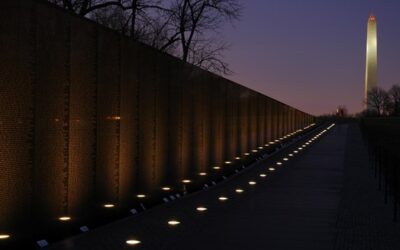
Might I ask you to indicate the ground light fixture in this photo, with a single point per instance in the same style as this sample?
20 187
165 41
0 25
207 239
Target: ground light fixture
133 242
186 181
252 183
263 175
228 162
237 158
64 218
4 236
223 198
279 163
141 196
201 209
166 188
109 205
173 222
239 190
247 154
202 173
271 169
290 155
285 159
217 167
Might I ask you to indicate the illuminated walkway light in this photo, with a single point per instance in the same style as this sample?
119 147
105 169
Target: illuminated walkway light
141 196
202 173
285 159
173 223
247 154
223 198
201 209
254 150
263 175
4 236
133 242
239 190
64 218
166 188
186 181
279 163
271 169
290 155
216 167
252 183
109 205
228 162
237 158
295 151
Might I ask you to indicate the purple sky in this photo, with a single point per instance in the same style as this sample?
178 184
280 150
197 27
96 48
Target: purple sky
310 54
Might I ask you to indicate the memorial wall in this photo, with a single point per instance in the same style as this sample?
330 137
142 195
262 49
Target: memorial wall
88 118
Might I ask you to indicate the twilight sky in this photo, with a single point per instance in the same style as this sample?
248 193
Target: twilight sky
310 54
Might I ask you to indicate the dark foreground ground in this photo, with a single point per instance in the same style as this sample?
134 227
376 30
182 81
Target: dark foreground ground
325 198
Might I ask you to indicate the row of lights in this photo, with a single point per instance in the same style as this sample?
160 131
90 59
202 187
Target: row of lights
186 181
175 222
222 198
141 196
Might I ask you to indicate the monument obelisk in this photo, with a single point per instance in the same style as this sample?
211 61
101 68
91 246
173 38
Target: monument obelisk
372 57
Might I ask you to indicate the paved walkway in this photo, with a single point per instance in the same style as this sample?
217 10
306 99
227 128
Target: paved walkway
322 199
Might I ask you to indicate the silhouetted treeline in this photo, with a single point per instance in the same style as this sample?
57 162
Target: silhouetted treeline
383 103
188 29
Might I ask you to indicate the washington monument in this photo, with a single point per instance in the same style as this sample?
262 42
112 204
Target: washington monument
371 63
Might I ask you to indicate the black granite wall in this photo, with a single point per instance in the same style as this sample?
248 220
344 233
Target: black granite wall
88 117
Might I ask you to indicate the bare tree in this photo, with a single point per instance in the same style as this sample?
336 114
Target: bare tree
84 7
143 20
394 95
189 29
112 17
197 23
209 55
378 101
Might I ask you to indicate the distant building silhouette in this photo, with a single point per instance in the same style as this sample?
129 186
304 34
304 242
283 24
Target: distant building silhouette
341 111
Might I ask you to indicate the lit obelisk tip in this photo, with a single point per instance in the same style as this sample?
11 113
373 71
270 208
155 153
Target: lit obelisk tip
372 57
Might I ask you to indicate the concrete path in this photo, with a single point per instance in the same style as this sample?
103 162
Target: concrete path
307 203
